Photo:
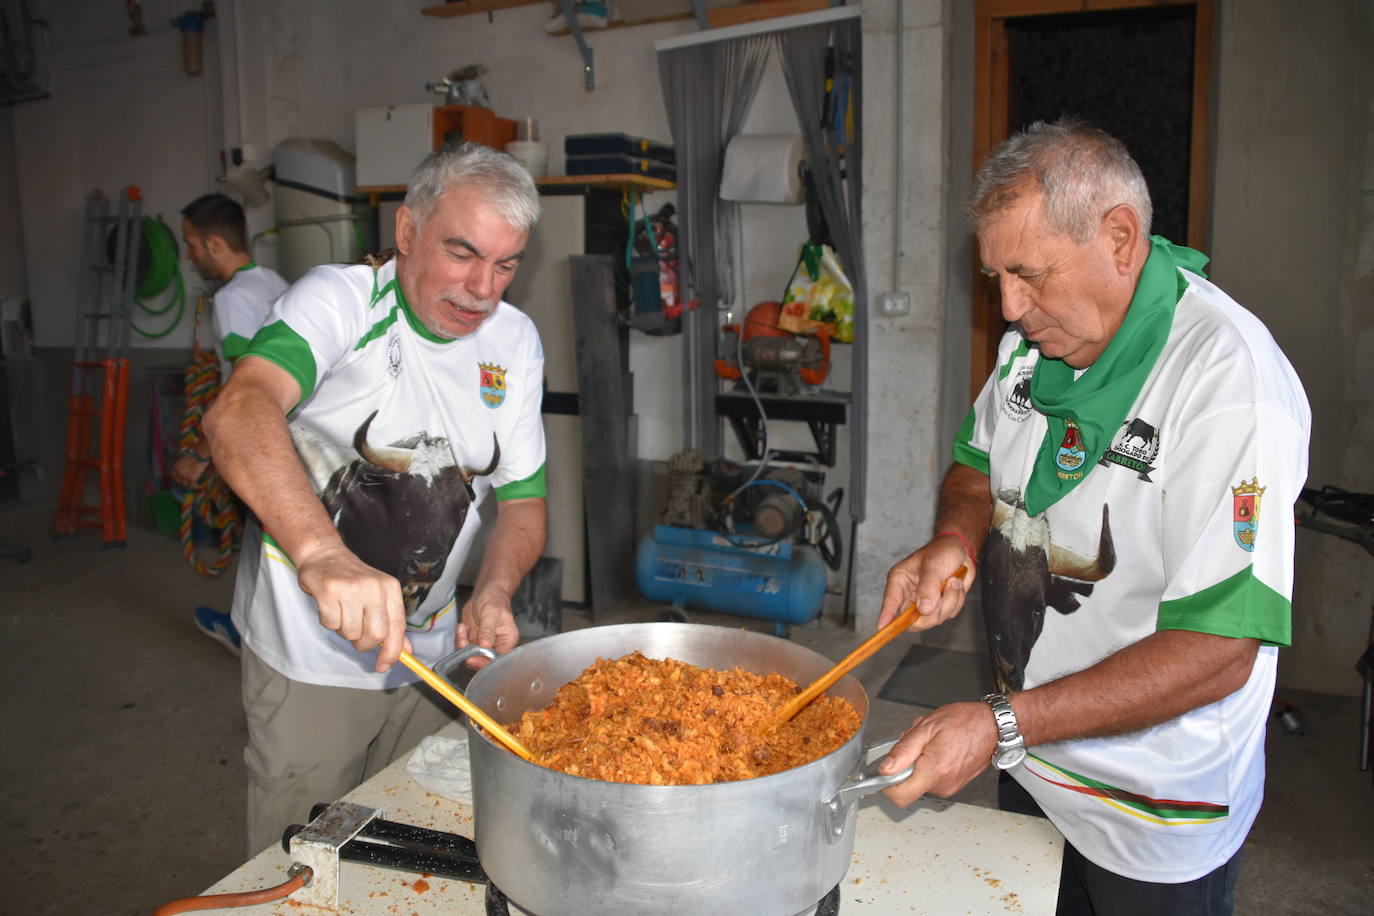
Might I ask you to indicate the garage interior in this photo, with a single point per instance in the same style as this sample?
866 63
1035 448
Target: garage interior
123 761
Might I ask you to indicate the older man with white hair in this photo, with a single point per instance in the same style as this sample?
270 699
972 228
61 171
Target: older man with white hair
375 407
1110 475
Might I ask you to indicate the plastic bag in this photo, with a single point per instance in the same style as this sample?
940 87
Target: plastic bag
440 766
819 296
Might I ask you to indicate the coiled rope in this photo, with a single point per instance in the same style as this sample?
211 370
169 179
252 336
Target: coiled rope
210 499
164 268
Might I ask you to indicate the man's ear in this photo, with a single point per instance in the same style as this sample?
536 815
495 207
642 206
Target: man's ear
1121 227
405 230
215 245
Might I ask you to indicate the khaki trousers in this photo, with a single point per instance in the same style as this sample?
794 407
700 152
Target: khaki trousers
309 744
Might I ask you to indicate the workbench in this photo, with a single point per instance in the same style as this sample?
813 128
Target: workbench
935 857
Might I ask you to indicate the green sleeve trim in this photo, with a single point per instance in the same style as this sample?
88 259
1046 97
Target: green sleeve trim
532 487
1240 606
278 344
233 345
966 454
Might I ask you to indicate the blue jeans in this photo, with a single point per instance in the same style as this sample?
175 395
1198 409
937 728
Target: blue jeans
1086 889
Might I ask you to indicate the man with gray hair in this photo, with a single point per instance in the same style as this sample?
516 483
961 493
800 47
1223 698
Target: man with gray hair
1110 476
376 406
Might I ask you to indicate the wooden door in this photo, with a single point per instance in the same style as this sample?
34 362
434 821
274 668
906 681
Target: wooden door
1137 61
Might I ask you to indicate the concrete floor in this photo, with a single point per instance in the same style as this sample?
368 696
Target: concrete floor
121 773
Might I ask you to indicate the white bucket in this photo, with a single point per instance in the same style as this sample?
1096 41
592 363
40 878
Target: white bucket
534 156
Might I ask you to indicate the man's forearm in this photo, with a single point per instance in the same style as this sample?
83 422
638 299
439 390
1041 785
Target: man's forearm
965 505
251 446
516 543
1157 679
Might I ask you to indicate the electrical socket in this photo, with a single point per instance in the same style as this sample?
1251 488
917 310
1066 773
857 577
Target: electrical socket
892 304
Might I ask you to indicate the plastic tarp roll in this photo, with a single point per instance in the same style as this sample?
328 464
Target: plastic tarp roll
763 168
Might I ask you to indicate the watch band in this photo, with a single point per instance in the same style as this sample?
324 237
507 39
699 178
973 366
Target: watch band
1011 747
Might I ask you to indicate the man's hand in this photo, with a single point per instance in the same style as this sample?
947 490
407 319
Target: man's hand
489 622
188 470
917 580
361 604
949 747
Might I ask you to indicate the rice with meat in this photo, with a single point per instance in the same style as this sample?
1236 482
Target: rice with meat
662 722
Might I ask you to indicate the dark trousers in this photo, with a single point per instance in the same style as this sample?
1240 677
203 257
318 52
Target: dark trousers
1086 889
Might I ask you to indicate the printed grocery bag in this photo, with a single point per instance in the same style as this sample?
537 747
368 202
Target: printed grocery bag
819 296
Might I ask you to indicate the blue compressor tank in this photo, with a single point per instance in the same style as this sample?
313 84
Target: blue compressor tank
689 567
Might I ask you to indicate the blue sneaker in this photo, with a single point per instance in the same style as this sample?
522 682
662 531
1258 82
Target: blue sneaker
218 627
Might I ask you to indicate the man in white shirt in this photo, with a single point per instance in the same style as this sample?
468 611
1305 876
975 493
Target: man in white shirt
1112 471
215 233
370 413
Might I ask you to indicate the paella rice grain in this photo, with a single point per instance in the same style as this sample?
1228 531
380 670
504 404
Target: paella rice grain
665 723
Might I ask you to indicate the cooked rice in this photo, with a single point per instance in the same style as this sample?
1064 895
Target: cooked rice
662 722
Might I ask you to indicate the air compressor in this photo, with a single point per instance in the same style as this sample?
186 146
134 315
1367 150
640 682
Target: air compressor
751 540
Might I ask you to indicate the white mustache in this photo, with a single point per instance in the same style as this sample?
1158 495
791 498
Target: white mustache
482 306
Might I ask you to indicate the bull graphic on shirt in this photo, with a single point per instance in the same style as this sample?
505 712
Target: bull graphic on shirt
398 507
1024 572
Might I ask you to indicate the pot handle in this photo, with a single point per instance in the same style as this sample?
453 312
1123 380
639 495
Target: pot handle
860 783
454 659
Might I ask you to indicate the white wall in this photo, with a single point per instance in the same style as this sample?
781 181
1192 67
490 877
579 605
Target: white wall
1292 240
121 112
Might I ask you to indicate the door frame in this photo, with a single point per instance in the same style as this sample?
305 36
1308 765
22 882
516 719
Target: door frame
991 77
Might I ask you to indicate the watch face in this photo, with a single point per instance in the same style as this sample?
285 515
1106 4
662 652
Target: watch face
1010 757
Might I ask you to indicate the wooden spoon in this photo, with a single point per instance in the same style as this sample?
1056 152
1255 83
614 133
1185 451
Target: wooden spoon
849 662
455 697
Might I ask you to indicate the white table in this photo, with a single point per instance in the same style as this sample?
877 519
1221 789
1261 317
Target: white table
935 857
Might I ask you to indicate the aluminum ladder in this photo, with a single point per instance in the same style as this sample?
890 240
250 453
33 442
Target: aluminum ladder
100 369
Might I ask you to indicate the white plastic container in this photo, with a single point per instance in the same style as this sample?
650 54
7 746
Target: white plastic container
533 155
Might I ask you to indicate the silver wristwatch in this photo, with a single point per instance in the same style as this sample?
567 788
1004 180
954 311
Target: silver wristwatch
1011 747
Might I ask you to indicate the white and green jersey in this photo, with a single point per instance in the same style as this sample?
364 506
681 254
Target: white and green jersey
401 434
1180 518
240 308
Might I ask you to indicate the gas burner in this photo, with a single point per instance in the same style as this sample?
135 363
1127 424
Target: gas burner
387 844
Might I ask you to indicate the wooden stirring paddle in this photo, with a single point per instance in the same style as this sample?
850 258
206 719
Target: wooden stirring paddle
849 662
447 691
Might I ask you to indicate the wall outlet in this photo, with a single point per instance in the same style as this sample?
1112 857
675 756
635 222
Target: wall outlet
890 305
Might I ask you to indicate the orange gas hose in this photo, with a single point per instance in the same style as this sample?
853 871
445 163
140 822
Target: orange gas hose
245 898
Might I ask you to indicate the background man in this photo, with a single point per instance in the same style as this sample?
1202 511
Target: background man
366 417
1112 470
215 233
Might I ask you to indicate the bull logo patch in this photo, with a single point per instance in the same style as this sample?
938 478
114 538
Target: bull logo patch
1245 512
1017 405
1071 455
493 384
1134 448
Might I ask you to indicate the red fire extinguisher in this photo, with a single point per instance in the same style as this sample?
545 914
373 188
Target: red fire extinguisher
654 284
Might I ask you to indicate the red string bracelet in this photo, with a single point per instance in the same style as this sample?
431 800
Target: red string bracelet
968 549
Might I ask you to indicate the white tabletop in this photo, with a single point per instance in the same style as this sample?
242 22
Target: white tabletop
934 857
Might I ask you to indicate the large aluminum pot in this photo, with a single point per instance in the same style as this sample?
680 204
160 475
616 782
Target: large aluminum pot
561 845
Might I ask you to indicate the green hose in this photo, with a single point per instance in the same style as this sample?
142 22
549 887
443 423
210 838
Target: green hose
164 268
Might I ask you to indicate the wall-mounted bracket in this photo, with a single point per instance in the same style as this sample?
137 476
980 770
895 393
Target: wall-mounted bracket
587 67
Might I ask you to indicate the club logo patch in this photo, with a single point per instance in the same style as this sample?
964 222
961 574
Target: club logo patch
1017 405
1071 456
1245 512
1135 446
393 356
493 383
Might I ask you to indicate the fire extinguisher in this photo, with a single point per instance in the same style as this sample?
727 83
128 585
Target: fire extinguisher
654 287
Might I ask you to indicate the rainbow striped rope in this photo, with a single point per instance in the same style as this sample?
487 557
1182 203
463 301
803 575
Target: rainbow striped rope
211 501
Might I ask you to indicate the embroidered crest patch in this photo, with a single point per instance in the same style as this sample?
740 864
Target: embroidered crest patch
1245 512
1071 455
1134 448
493 384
